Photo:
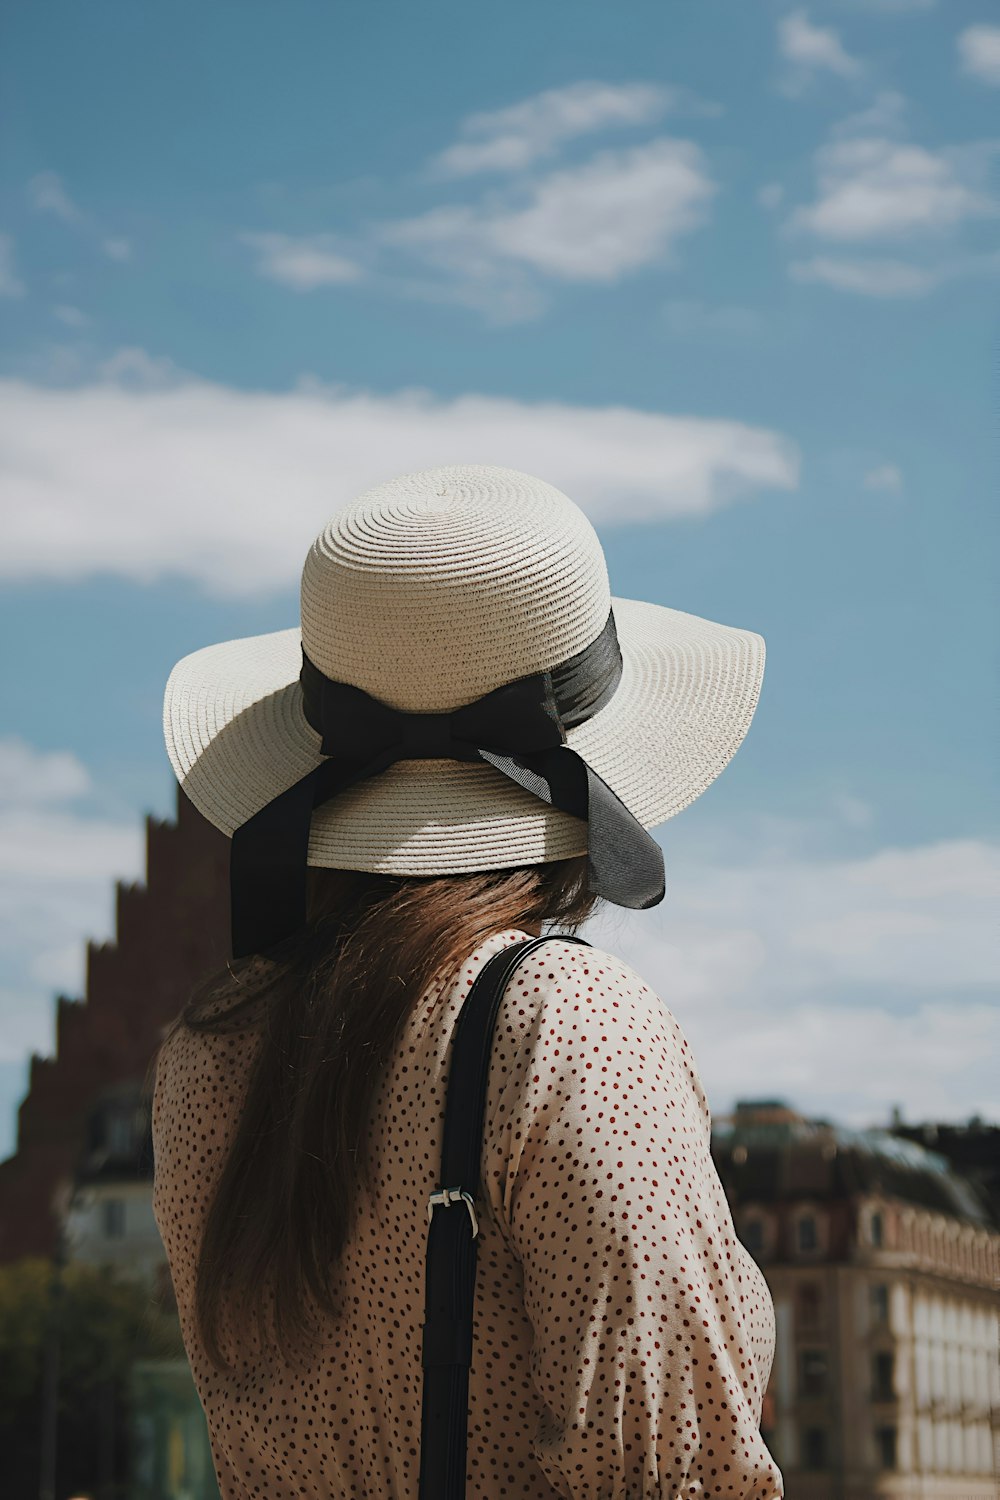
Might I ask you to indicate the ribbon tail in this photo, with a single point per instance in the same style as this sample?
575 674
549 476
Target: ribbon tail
267 869
269 856
624 861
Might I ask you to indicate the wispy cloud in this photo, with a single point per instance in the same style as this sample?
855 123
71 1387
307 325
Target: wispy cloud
133 369
854 983
770 195
875 185
885 115
117 248
869 277
228 487
515 137
883 277
809 49
884 477
979 53
73 317
57 872
11 284
29 777
47 194
592 221
597 222
871 187
304 262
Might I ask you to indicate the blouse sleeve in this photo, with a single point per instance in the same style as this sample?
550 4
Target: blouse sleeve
653 1327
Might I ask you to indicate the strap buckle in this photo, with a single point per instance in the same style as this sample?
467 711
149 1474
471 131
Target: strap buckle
445 1197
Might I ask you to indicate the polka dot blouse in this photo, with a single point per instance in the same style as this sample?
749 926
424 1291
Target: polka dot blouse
623 1336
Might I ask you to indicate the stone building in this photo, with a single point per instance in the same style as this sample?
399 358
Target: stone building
884 1268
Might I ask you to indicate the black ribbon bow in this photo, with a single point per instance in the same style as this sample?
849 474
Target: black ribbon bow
519 729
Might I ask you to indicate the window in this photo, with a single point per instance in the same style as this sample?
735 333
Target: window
814 1448
882 1370
812 1372
753 1236
807 1233
875 1230
885 1440
880 1304
119 1135
808 1305
114 1218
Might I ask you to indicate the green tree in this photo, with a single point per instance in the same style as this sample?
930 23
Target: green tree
103 1322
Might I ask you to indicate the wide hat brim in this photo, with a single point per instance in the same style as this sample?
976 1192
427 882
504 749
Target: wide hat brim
237 736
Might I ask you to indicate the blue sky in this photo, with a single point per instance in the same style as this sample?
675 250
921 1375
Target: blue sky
727 273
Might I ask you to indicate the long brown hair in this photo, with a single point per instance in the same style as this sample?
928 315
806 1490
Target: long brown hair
328 1012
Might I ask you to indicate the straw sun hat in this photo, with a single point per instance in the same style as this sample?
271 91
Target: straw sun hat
464 694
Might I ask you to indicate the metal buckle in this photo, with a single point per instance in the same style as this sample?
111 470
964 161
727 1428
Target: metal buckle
447 1196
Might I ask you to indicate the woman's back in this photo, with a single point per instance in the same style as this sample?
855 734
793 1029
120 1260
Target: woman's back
623 1337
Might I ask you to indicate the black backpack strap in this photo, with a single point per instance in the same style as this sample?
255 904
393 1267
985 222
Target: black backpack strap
451 1240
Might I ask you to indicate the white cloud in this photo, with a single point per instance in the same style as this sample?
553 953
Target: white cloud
872 278
854 812
117 248
813 47
884 116
57 874
853 1063
913 919
593 221
872 187
979 52
892 278
29 776
11 284
48 195
884 477
515 137
134 369
304 262
617 212
847 984
683 316
73 317
771 194
229 487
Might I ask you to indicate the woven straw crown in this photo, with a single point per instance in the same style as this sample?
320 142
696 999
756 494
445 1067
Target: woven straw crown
429 594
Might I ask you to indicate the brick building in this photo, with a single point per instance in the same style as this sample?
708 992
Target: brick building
169 932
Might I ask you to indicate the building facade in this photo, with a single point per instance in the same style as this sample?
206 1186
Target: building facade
884 1268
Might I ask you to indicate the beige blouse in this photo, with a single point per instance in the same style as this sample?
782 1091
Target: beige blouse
623 1335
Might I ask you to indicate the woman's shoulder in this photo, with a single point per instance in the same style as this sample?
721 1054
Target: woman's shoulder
200 1072
565 970
586 1000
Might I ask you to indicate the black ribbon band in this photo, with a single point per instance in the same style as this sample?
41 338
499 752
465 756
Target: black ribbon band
519 729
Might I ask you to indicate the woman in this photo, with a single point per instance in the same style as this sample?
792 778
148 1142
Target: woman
465 745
